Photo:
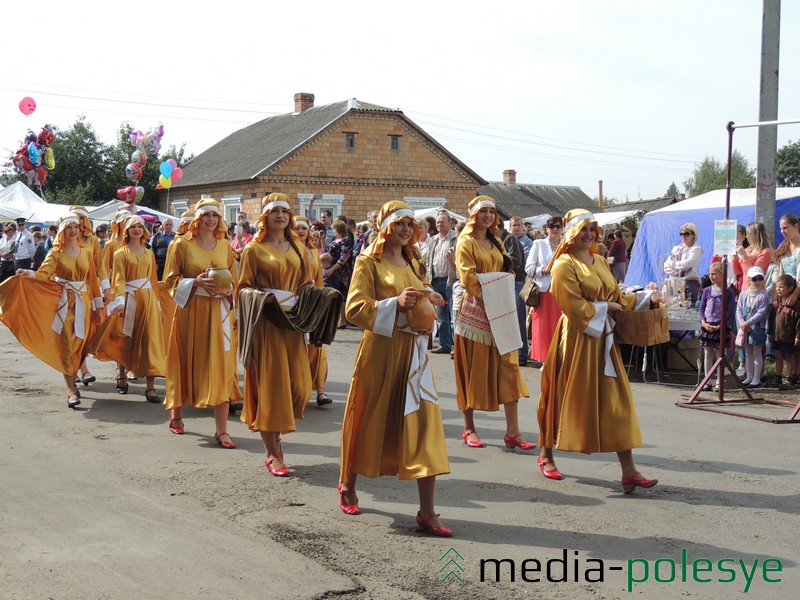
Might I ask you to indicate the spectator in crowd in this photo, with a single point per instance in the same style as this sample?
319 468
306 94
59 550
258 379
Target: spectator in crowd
24 246
758 252
751 314
711 317
40 252
424 239
52 230
517 228
8 244
241 236
787 332
318 237
516 253
618 256
341 250
101 232
529 230
327 221
441 271
159 245
787 261
684 259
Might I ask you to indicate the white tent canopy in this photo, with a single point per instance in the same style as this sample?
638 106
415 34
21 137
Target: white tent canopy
610 218
432 212
18 200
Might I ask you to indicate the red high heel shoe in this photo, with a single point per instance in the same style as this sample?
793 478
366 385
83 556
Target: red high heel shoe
554 474
174 429
223 443
276 471
471 444
439 531
517 442
348 509
629 484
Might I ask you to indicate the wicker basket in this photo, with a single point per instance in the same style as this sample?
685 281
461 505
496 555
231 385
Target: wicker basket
642 327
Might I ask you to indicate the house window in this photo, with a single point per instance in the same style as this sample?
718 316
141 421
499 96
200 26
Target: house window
349 139
179 207
312 205
232 206
395 141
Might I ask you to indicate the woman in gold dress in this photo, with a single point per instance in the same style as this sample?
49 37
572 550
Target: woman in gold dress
201 351
317 356
277 381
392 422
135 338
586 404
50 311
485 379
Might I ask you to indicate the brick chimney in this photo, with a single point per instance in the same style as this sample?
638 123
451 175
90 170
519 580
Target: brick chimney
510 177
303 101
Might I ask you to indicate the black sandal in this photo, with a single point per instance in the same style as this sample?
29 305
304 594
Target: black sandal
88 378
322 399
154 398
74 399
122 389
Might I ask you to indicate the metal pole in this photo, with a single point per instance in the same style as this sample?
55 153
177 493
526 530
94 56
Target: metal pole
768 110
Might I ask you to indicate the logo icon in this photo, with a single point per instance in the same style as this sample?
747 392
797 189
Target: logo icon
451 568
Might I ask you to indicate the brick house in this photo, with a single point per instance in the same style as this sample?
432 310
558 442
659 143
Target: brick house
349 157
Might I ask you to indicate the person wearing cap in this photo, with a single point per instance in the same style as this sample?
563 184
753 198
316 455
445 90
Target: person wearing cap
485 379
751 315
684 260
317 355
92 242
133 336
25 247
392 423
277 379
201 349
50 310
586 404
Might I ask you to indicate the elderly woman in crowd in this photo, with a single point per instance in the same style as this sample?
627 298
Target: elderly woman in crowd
586 403
485 379
684 260
51 311
546 315
392 423
201 351
341 249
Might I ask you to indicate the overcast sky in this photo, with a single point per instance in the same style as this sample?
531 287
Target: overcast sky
631 92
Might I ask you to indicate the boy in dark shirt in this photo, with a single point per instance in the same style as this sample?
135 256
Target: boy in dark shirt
787 332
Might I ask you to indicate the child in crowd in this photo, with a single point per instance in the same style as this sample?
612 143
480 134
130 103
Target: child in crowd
751 314
787 331
329 278
711 317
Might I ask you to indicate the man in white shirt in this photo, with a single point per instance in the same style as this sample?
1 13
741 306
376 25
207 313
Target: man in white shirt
25 246
442 273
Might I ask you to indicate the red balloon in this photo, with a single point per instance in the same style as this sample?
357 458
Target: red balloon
27 105
159 186
134 172
41 174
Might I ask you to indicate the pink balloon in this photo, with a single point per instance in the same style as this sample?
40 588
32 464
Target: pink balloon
27 105
172 162
177 174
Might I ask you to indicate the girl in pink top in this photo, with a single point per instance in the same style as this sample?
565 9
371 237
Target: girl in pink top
758 254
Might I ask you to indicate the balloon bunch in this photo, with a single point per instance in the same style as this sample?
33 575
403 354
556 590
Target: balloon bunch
142 143
170 173
35 157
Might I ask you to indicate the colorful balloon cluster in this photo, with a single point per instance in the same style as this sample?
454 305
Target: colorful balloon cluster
170 173
35 156
143 143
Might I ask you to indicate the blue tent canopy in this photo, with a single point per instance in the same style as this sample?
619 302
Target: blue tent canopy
658 231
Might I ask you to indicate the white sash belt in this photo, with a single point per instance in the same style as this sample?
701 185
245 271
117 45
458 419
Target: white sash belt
419 383
224 315
77 288
130 303
608 369
286 299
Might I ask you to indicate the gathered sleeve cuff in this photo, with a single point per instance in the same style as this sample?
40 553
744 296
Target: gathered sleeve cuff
598 321
115 303
183 291
385 318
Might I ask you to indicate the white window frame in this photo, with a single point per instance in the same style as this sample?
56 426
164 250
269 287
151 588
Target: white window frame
331 202
179 207
417 202
232 203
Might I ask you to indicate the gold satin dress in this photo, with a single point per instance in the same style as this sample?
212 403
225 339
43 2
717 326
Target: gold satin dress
28 306
580 408
485 379
317 356
277 384
200 371
377 439
144 352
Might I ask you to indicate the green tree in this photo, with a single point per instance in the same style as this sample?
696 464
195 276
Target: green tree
672 191
712 175
787 170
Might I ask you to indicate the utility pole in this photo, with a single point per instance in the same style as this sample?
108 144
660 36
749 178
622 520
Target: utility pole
768 111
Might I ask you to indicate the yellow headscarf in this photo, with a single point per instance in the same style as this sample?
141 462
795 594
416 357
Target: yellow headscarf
207 205
305 221
390 213
274 200
79 211
574 221
130 221
116 224
58 243
186 218
477 203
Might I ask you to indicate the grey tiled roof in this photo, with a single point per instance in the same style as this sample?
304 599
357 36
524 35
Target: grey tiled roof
645 205
528 200
248 152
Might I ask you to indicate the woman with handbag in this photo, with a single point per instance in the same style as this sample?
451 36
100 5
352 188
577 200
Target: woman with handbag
485 379
545 316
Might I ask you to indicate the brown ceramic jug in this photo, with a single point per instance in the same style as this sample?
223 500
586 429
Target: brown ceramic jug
423 314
